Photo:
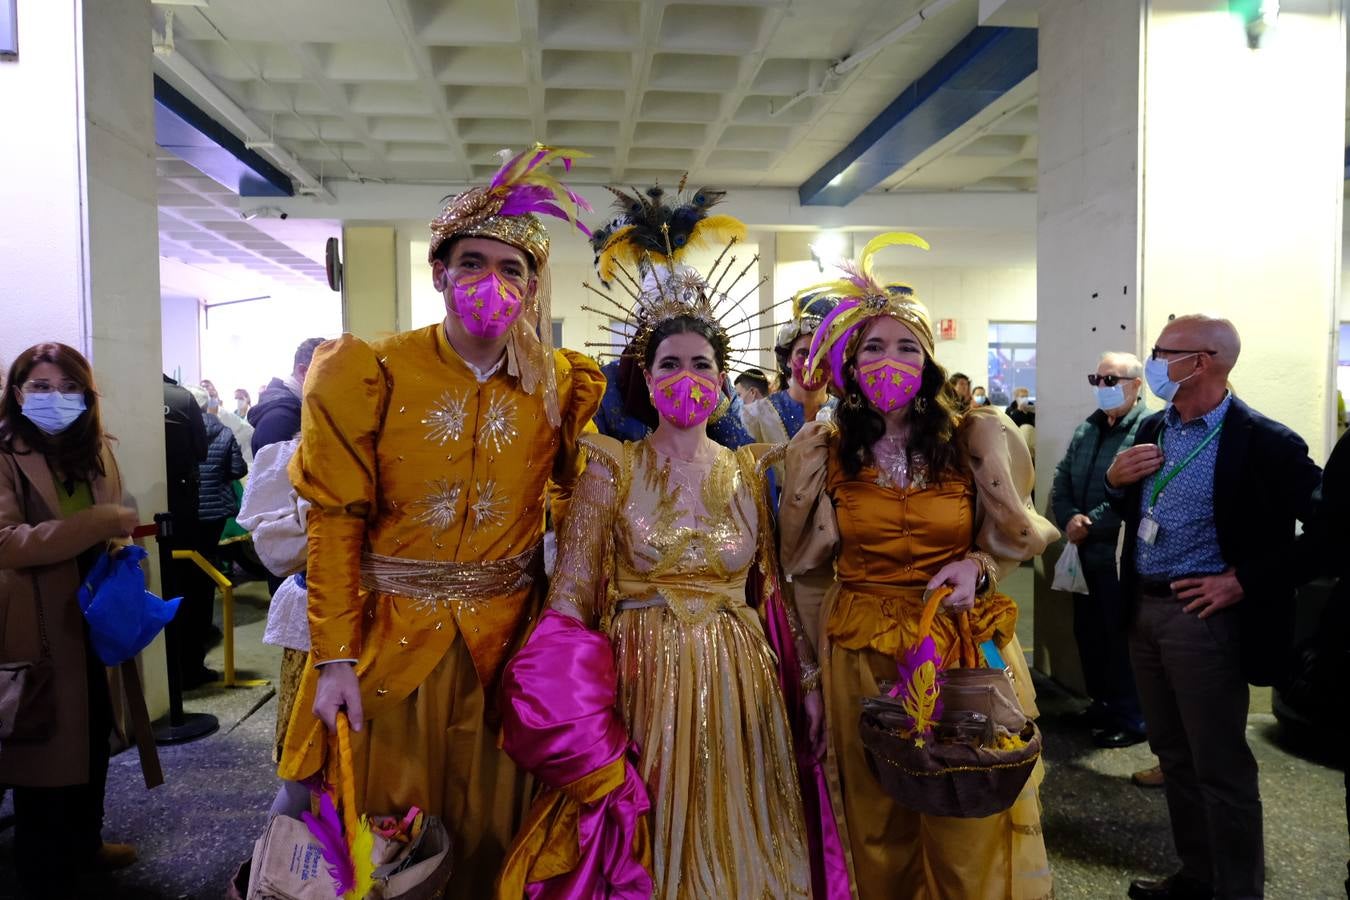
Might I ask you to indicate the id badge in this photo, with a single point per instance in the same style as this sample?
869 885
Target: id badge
1148 530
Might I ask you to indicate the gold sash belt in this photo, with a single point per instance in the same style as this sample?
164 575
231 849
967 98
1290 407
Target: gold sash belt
427 580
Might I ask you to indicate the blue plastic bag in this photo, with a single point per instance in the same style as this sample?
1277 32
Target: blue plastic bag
123 616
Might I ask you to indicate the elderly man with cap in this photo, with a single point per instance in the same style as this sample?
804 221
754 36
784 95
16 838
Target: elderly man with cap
778 417
1209 494
427 459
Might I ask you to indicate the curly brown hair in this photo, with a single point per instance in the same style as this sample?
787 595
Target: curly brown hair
74 453
933 420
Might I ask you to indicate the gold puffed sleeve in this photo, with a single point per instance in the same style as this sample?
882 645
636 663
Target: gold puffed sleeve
807 528
580 387
1007 526
586 541
334 469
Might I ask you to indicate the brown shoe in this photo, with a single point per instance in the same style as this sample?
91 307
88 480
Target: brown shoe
1149 778
113 856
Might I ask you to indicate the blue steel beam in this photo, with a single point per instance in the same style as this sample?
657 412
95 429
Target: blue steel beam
201 142
985 65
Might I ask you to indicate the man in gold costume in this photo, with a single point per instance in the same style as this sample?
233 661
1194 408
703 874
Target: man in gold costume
427 458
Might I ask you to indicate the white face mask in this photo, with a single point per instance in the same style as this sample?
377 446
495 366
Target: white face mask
51 411
1159 381
1109 398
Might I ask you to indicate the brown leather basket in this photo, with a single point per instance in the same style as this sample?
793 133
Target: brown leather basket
955 780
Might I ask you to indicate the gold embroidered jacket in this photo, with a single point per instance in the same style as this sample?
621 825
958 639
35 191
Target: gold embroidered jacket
404 454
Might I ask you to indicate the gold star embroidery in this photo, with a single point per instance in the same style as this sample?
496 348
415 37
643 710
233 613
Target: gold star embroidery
897 378
445 420
490 508
498 422
871 380
440 507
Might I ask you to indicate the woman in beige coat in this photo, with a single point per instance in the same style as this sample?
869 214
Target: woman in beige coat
59 508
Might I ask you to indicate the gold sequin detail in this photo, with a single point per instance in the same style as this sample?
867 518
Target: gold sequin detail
499 425
440 507
445 420
490 507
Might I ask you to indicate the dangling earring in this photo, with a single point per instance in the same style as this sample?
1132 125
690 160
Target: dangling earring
921 405
853 401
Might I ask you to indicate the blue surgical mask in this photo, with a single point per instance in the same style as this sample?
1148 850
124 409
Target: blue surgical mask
52 412
1109 398
1159 382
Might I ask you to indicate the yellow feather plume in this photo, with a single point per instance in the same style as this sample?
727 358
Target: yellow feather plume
363 861
920 699
889 239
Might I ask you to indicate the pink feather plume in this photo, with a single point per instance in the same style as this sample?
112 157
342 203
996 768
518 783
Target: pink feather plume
327 830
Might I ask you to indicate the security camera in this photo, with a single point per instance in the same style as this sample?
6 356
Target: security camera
285 215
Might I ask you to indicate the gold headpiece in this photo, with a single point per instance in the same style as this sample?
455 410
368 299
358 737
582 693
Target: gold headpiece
862 298
642 251
505 211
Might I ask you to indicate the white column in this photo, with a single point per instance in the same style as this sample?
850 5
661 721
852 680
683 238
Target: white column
79 242
1183 171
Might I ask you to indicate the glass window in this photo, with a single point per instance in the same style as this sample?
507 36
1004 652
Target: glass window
1012 360
1343 372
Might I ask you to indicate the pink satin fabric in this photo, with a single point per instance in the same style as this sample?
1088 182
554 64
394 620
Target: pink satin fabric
829 869
559 723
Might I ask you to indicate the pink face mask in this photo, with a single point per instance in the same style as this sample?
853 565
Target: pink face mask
685 399
799 376
486 304
889 383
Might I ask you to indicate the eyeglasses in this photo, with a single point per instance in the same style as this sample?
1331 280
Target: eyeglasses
1108 380
43 386
1171 351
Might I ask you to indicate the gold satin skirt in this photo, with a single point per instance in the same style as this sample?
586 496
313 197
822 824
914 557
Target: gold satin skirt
895 852
703 703
434 750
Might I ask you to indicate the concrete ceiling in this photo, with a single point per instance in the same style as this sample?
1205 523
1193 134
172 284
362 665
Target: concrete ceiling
428 91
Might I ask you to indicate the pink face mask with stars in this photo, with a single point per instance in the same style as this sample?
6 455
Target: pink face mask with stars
889 383
685 399
486 304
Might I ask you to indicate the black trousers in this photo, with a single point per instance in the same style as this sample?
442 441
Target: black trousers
1102 634
58 828
197 611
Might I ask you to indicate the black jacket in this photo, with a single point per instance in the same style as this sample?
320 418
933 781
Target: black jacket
223 466
1080 486
184 448
276 417
1263 481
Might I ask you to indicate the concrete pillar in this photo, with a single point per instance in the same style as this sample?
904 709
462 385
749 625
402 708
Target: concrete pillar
80 246
370 293
1183 171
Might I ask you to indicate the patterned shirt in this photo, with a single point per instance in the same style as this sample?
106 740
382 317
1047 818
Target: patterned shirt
1187 542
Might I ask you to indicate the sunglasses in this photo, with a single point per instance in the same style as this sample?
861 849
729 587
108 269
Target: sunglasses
1107 380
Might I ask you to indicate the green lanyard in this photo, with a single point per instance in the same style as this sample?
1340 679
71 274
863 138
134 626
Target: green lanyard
1167 479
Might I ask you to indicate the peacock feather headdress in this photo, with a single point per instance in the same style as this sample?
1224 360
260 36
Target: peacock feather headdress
643 250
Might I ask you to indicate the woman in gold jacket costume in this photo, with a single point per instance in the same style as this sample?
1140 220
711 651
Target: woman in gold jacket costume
898 502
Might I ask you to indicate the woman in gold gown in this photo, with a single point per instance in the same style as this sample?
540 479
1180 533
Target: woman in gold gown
897 496
656 552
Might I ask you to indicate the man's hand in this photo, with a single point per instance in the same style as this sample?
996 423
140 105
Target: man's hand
963 575
1134 465
1077 529
1209 594
338 689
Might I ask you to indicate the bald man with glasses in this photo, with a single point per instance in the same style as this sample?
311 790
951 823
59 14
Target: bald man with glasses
1209 494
